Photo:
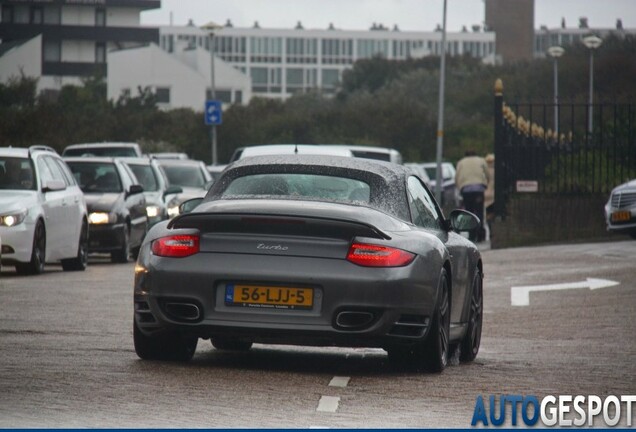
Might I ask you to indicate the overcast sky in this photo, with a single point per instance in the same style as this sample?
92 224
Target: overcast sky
422 15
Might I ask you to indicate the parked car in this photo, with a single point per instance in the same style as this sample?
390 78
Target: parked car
216 170
288 149
190 175
111 149
156 189
620 210
420 172
116 205
315 251
43 216
450 194
365 152
169 155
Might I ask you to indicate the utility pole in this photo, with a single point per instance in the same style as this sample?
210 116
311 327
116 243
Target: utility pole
440 115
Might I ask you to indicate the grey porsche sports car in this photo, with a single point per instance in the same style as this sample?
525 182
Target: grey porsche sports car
312 250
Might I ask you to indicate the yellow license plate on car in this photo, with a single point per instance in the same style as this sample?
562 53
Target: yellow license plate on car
264 296
621 216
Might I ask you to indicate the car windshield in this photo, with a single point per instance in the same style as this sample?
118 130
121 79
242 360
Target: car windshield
300 185
184 176
16 173
102 151
146 177
96 177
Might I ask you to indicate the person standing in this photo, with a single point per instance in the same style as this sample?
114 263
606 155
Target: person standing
489 195
472 178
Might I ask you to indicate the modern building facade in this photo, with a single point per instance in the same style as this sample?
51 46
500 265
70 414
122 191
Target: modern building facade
281 62
72 37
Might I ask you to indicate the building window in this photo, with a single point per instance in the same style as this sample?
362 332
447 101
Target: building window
7 13
238 97
100 52
52 15
224 96
52 51
100 17
37 15
162 95
330 77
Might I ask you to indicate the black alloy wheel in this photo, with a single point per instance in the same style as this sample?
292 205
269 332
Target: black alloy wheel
170 346
472 339
80 262
38 252
122 254
437 345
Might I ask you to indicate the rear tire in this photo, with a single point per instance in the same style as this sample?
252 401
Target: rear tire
169 346
80 262
38 253
472 339
123 253
431 354
221 343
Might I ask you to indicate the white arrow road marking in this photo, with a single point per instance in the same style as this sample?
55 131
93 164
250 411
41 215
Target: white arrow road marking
328 404
520 296
339 381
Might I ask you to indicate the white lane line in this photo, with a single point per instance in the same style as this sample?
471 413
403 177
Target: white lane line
328 404
339 381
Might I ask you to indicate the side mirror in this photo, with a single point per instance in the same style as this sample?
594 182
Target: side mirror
189 205
54 185
172 190
462 220
135 189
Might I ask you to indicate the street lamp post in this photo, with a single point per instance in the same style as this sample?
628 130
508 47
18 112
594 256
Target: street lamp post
440 114
592 42
555 52
211 27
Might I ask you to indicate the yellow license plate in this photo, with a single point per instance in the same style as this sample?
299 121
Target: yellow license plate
621 216
268 296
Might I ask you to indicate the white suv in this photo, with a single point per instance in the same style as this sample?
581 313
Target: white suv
42 211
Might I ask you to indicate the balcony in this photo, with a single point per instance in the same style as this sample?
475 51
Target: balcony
12 31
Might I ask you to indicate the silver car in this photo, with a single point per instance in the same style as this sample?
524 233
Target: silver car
620 210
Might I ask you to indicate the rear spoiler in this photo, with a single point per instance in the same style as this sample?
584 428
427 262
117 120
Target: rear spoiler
276 224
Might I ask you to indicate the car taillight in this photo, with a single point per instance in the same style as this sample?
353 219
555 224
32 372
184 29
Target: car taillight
176 246
378 256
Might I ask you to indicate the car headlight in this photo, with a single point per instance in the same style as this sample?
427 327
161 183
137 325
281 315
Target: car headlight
152 211
13 219
99 218
173 210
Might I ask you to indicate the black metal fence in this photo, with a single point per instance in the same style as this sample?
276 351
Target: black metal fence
555 149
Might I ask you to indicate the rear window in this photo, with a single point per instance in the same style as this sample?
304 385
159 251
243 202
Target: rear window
320 187
96 177
103 151
184 176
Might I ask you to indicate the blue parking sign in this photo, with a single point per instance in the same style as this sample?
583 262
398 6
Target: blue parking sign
213 112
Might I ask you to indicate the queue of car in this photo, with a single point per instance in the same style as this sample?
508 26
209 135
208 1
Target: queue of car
96 198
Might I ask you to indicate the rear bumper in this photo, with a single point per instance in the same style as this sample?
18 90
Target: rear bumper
396 303
628 225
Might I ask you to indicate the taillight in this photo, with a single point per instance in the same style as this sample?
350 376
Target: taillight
378 256
176 246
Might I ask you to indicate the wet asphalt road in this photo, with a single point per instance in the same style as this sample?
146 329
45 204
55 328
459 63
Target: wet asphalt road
67 359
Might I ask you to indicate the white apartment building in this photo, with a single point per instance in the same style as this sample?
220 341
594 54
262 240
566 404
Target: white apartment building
281 62
61 41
